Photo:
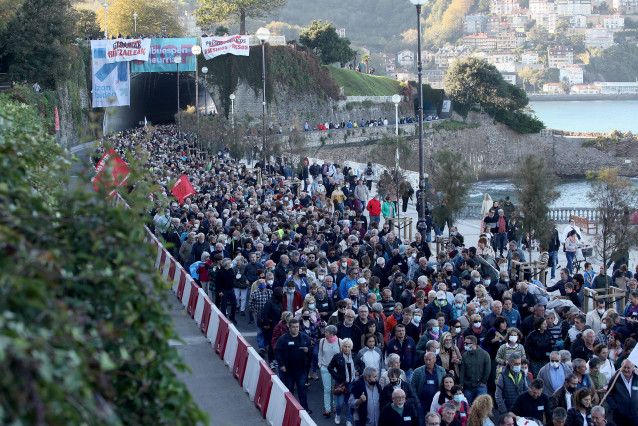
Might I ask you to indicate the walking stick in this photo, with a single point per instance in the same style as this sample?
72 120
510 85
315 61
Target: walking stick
610 388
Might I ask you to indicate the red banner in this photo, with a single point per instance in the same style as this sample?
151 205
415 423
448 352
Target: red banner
120 172
57 119
183 189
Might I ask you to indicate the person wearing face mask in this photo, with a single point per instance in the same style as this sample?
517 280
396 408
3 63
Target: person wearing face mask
449 354
512 315
440 304
324 304
432 332
394 376
476 328
475 369
399 411
256 304
415 328
513 338
510 384
293 300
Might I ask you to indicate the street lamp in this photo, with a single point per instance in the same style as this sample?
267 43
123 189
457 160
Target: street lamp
106 34
135 22
196 50
263 34
396 99
178 60
205 71
232 109
420 225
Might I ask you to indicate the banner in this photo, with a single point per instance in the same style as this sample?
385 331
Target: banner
111 82
162 55
124 50
182 189
57 119
232 45
120 172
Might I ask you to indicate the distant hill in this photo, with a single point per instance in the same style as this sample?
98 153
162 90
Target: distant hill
359 84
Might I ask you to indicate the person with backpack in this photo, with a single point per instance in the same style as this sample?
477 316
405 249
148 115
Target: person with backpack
369 175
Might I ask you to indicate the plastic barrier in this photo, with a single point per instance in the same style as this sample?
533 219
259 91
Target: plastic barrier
293 411
264 385
187 291
192 300
222 336
160 251
277 404
199 308
213 326
251 374
206 314
163 256
231 347
181 285
176 277
305 419
241 358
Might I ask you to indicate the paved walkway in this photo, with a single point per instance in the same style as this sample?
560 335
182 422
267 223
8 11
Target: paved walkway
210 382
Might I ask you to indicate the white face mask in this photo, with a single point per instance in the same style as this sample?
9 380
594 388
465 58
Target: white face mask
603 326
555 364
601 311
457 330
320 277
513 339
344 264
477 324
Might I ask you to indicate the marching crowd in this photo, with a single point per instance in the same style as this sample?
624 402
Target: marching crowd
396 333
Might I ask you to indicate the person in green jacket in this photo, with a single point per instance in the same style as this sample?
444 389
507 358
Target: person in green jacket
475 370
427 379
388 209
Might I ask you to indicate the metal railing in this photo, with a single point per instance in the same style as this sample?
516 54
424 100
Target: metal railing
557 214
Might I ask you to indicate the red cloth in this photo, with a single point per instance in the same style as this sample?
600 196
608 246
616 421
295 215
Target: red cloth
374 207
502 225
182 189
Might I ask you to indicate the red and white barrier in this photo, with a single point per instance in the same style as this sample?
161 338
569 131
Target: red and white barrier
231 347
264 385
293 411
277 404
241 359
251 375
213 326
305 419
199 308
192 299
222 336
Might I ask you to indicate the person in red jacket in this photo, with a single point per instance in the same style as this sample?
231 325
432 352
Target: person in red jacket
293 300
374 208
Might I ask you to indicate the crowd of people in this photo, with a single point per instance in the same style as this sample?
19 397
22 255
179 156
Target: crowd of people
396 334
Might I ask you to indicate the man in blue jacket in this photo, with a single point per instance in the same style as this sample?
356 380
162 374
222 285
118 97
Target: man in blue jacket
365 398
405 347
293 353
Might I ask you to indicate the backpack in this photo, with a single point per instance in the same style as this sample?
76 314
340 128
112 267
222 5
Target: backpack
369 171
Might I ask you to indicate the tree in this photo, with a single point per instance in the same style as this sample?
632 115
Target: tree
34 42
385 151
615 199
451 181
473 81
221 31
325 43
87 24
82 338
214 11
366 60
534 185
151 15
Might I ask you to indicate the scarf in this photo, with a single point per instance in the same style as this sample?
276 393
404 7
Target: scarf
331 339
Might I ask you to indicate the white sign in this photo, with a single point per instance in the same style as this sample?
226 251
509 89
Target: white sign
111 81
124 50
446 106
234 45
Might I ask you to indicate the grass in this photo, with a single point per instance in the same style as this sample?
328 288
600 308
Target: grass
360 84
453 125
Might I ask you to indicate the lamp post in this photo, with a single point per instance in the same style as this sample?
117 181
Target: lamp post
232 109
196 50
263 34
106 34
205 71
135 22
420 225
178 60
396 99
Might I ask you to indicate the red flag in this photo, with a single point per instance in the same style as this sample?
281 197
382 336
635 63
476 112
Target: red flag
183 189
57 119
120 172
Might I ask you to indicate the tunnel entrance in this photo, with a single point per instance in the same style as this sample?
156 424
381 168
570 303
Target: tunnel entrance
154 96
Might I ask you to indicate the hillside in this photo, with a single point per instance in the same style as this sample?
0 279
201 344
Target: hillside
360 84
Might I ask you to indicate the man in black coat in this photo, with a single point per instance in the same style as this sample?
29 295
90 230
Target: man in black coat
533 403
398 412
394 375
623 397
293 354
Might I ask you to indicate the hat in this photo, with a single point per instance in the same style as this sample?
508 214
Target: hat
270 264
361 280
440 294
174 205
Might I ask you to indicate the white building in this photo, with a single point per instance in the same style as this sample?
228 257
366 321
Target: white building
560 56
406 58
434 78
504 7
474 24
614 22
341 32
530 58
552 88
599 38
617 88
578 21
572 73
584 89
573 7
503 61
510 78
540 7
625 6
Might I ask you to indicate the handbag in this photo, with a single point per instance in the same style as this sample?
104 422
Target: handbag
340 389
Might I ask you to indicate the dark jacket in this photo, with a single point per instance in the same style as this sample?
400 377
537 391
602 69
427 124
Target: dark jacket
526 406
620 401
434 308
559 398
575 418
406 350
538 346
390 417
386 395
507 390
289 354
475 368
271 314
225 279
359 387
337 368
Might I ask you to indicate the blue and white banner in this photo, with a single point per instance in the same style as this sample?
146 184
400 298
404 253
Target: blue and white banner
111 85
162 55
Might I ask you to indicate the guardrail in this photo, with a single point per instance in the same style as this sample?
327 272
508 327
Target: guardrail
375 99
557 214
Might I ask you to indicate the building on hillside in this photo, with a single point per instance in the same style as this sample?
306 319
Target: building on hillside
627 7
474 24
504 7
434 78
497 24
480 41
584 89
404 75
518 19
189 22
448 54
540 7
427 56
530 58
614 22
573 74
573 7
509 77
341 32
405 58
560 56
599 38
503 61
617 88
578 21
552 88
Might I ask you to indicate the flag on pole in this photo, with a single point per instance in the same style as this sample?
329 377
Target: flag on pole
182 189
57 119
120 172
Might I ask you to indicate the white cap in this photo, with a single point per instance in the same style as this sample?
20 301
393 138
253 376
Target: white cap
440 294
361 280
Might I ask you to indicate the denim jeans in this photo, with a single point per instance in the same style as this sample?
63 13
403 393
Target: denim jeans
328 384
471 394
570 255
295 378
376 219
554 255
342 400
408 375
261 342
501 242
